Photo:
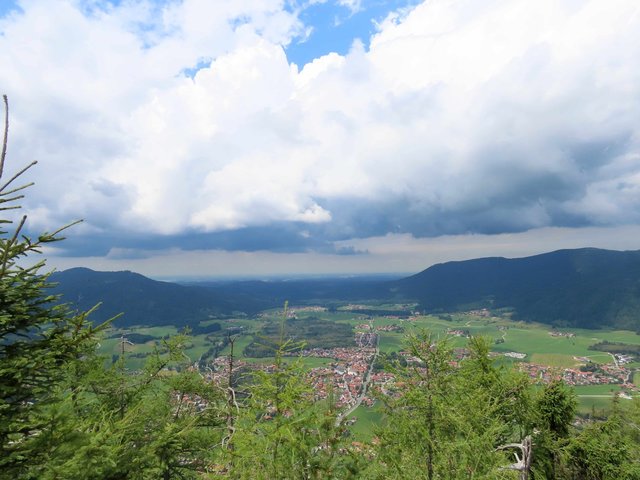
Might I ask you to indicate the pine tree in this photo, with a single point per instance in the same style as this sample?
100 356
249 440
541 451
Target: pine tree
37 336
555 409
606 450
161 422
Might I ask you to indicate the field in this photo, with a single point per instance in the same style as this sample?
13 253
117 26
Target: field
554 360
563 349
532 339
367 418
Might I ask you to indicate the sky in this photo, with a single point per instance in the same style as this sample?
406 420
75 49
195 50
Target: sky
203 138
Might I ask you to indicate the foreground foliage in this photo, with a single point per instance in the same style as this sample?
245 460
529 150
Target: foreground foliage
38 340
449 420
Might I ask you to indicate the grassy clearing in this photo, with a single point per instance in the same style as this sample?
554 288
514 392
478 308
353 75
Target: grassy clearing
600 406
621 336
534 339
158 332
339 316
238 347
199 345
554 360
135 363
391 342
596 406
368 419
307 362
109 346
599 357
597 399
314 362
596 389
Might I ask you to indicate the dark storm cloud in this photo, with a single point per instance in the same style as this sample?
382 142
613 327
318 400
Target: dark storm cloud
284 238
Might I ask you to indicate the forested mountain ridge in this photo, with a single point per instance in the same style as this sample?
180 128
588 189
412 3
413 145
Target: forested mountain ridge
141 300
144 301
586 287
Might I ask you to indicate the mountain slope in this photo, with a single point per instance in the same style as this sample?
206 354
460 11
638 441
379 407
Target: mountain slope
586 287
140 299
144 301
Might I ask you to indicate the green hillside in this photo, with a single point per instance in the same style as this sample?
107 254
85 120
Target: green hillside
586 288
141 300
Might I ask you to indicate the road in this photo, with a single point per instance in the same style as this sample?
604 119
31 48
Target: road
602 396
365 387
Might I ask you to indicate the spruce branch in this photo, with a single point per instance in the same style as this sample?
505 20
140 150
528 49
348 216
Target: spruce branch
20 172
8 248
17 189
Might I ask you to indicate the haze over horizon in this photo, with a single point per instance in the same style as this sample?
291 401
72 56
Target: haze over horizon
244 138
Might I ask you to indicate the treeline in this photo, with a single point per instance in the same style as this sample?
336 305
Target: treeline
219 344
134 337
616 347
313 332
209 328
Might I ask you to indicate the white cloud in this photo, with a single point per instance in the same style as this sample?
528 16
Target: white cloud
488 116
354 6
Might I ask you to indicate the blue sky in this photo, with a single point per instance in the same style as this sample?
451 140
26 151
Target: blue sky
8 6
334 27
253 138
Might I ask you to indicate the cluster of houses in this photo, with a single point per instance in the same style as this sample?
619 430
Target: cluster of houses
354 306
343 379
458 332
218 373
605 374
367 327
308 308
350 371
483 312
394 327
622 359
366 339
556 333
516 355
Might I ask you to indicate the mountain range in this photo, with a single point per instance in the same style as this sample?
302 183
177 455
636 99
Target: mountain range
588 288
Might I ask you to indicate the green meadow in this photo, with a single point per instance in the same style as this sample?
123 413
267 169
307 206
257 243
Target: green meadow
506 335
367 418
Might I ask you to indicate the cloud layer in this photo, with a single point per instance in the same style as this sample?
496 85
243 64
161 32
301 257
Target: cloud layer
183 124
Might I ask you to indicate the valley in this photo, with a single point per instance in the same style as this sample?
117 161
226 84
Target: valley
345 349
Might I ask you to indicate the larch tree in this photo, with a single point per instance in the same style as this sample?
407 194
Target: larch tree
449 418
